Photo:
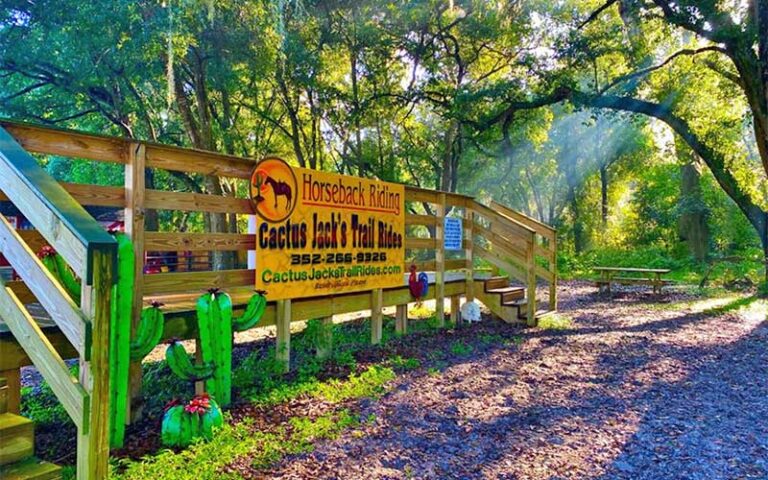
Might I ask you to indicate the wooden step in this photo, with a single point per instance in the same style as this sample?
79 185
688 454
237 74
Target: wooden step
496 282
17 438
30 469
509 294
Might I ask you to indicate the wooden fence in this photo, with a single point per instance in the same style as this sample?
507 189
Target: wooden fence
520 246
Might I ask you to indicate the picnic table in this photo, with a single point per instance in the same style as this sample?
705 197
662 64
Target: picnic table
646 276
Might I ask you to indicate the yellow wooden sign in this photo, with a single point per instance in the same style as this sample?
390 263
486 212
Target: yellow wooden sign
320 233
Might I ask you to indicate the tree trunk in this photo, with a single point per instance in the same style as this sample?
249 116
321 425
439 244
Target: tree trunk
692 223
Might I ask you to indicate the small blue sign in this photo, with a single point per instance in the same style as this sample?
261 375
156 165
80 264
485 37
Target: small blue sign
452 233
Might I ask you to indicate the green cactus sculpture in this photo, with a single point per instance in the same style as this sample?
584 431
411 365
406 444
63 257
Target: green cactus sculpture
122 349
215 324
148 333
182 424
180 364
55 264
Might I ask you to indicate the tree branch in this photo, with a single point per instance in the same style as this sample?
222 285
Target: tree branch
646 71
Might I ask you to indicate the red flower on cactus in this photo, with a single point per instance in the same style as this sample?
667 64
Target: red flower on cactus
199 404
46 251
156 304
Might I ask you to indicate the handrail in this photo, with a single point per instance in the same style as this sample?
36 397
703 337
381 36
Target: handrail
525 219
92 254
60 218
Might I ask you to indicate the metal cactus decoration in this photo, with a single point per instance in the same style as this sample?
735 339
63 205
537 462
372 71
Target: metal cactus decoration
55 264
182 424
122 349
215 326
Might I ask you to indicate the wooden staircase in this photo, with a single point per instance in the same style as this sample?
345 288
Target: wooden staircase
17 446
508 302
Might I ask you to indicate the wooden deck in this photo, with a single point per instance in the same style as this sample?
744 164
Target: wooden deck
512 243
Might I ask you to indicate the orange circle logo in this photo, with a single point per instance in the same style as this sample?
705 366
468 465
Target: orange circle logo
273 189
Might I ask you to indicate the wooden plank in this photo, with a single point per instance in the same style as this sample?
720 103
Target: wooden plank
90 195
96 195
541 228
416 194
196 202
172 242
283 340
67 143
456 264
46 288
11 391
135 187
177 282
500 262
60 219
43 355
93 433
414 219
509 248
492 216
377 321
440 211
413 243
198 161
423 266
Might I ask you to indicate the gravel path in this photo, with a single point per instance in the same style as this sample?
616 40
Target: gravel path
633 390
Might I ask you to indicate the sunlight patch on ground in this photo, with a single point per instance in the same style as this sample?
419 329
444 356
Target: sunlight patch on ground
712 303
755 313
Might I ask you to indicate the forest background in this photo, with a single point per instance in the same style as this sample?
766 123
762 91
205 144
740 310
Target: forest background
638 128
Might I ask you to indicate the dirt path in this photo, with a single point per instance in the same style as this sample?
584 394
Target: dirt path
634 389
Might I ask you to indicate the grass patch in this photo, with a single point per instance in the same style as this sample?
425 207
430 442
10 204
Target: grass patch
461 349
404 364
555 321
203 461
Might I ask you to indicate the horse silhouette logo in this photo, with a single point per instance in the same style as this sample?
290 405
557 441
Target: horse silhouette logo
273 189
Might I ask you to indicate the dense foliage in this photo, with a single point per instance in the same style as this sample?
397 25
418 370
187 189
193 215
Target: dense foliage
631 125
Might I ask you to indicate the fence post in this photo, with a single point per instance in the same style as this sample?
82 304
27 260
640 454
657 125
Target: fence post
530 265
469 220
553 271
283 343
401 319
376 317
12 390
135 189
93 436
325 345
440 261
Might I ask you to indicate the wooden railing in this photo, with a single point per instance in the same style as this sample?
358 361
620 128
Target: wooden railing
545 248
490 234
63 223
